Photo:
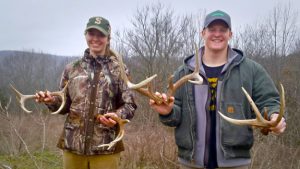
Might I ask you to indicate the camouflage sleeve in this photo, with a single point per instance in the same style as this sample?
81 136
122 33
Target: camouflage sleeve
127 106
55 106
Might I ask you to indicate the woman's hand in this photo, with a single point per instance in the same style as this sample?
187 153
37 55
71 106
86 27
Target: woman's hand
106 120
44 97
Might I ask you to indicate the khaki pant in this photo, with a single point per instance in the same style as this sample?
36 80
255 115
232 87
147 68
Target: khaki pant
74 161
240 167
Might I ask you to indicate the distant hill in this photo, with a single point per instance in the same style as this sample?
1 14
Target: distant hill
30 71
7 53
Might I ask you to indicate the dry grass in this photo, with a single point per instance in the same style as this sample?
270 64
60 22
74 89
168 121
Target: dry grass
148 144
270 153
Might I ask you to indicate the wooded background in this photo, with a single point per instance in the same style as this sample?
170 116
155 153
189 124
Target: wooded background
156 43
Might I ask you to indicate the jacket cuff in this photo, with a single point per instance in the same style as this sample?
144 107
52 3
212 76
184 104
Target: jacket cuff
166 118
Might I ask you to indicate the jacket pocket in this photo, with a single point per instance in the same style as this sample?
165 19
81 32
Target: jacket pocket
72 134
103 135
183 135
232 135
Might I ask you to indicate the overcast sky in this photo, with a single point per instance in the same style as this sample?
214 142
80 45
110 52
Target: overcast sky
56 26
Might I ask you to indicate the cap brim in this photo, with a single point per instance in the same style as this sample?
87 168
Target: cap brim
215 19
98 28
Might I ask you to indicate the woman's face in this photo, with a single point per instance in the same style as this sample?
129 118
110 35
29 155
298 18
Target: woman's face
216 36
96 42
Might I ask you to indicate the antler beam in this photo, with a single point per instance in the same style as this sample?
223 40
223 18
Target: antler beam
121 123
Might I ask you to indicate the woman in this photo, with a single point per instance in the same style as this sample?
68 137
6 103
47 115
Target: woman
94 87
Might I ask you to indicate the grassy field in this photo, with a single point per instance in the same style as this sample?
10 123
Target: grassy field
44 160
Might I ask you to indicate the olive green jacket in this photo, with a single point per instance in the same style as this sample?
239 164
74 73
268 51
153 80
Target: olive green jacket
190 107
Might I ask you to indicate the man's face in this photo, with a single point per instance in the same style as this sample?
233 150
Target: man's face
216 36
96 41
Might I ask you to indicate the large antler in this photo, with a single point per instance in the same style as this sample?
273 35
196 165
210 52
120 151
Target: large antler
261 122
171 88
121 123
22 98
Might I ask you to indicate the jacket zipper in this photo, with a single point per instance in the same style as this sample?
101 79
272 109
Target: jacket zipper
205 160
192 134
88 129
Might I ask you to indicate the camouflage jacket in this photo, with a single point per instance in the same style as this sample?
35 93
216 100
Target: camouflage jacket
81 132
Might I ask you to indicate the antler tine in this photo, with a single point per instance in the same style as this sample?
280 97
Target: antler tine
121 123
125 78
195 75
259 121
62 94
282 106
254 107
22 98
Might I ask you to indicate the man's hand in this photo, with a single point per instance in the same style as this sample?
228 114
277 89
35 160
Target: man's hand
106 120
281 126
164 108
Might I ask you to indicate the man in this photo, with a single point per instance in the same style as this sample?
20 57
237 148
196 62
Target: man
203 139
94 88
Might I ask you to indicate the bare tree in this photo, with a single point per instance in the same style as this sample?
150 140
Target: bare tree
254 41
282 24
273 37
158 41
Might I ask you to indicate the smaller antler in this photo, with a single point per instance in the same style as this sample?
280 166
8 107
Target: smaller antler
22 98
121 123
260 121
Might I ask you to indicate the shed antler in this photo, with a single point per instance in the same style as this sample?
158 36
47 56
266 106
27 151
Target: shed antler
171 88
121 123
261 122
22 98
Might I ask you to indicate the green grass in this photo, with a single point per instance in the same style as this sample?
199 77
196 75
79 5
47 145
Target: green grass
45 160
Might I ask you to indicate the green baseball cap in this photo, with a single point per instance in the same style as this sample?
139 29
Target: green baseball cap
217 15
99 23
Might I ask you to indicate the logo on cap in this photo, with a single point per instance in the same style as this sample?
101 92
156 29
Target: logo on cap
217 14
98 20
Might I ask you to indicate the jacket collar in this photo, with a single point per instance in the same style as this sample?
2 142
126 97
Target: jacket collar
100 60
234 55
